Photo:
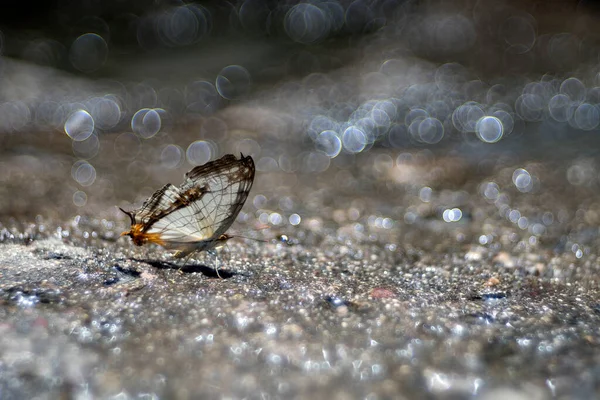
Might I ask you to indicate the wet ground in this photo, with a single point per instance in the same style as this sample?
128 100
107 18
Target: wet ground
381 256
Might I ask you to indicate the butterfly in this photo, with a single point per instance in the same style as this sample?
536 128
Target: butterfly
195 216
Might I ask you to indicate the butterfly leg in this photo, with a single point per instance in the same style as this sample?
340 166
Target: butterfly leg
183 259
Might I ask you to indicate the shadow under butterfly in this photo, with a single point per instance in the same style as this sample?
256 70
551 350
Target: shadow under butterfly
195 216
191 268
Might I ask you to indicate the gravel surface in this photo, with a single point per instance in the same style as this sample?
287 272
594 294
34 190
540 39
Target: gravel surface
348 304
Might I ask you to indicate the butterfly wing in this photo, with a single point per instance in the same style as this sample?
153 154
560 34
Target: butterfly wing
156 207
228 182
201 209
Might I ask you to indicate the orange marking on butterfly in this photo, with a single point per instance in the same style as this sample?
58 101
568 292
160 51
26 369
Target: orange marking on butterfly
139 237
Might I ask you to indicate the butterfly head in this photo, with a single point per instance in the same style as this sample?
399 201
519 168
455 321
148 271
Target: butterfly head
138 234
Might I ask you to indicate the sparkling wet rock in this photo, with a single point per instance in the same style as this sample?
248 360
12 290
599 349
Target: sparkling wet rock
426 228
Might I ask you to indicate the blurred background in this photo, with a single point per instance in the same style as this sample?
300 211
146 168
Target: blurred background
479 117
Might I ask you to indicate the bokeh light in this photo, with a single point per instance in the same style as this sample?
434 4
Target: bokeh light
199 152
489 129
307 23
83 173
88 52
146 123
80 125
233 82
172 156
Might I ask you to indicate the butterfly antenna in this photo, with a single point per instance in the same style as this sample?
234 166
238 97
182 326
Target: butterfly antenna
249 238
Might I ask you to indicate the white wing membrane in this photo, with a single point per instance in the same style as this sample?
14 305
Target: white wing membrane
184 225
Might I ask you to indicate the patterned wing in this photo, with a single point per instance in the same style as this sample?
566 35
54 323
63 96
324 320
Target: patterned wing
211 197
157 206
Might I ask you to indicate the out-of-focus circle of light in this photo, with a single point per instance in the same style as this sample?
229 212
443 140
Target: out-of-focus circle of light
335 13
315 162
140 95
369 128
358 16
306 23
431 131
199 152
522 180
530 107
233 82
399 136
249 147
275 218
182 25
561 108
513 216
496 93
267 164
287 163
450 76
295 219
466 116
171 99
490 190
518 30
574 89
439 109
489 129
354 140
202 98
587 117
388 108
329 143
88 52
46 114
452 215
360 113
522 223
171 156
106 113
80 125
87 148
382 163
380 117
14 116
319 124
415 114
507 121
413 129
146 123
260 201
253 15
425 194
581 173
79 198
83 173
